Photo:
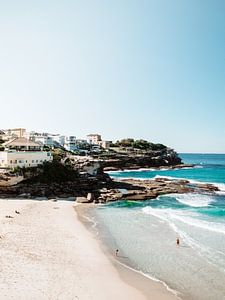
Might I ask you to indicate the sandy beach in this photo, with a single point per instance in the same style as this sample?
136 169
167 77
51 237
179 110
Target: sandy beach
47 253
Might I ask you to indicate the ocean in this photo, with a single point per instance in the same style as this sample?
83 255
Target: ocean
145 232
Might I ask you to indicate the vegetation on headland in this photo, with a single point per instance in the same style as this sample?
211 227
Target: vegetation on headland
49 172
138 144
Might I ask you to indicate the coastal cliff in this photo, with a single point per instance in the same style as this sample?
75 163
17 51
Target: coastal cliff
131 154
155 159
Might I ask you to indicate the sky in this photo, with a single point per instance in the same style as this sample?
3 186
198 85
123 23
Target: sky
150 69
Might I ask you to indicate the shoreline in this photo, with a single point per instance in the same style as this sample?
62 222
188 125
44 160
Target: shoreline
152 288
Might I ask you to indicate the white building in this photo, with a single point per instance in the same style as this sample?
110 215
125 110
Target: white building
12 159
45 140
94 138
20 152
70 143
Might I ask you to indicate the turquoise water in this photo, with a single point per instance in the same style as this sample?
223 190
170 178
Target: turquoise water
209 168
146 232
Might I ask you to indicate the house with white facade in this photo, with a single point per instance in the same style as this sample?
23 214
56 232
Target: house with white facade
21 152
94 138
45 140
70 143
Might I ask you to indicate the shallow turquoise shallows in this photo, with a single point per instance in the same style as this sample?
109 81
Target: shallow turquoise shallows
145 232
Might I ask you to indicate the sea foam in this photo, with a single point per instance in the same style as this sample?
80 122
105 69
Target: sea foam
194 200
190 218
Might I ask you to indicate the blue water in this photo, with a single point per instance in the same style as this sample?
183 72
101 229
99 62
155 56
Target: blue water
146 232
209 168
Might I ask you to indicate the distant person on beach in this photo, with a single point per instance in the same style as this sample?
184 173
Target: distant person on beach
117 252
178 241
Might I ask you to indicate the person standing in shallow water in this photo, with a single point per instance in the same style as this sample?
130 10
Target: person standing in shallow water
178 241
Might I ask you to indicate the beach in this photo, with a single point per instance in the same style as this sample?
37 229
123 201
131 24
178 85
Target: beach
47 253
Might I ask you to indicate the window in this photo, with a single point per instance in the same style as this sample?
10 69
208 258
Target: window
36 161
15 161
10 161
32 161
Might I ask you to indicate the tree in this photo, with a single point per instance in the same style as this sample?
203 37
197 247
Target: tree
141 144
126 142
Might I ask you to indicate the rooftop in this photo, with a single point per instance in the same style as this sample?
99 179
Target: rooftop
20 142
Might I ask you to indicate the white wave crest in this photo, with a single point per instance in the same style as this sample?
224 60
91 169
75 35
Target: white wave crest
189 218
194 200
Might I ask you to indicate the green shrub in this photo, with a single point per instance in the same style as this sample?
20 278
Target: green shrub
55 172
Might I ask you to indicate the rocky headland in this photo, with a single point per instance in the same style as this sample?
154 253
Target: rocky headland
101 188
85 178
127 159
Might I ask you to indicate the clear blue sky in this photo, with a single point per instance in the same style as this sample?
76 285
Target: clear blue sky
122 68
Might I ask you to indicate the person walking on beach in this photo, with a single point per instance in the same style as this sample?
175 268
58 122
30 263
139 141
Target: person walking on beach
117 252
178 241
